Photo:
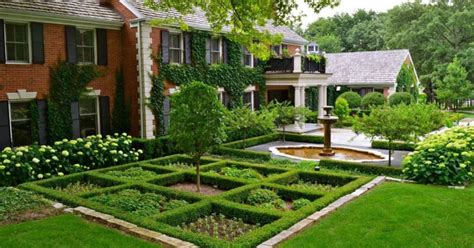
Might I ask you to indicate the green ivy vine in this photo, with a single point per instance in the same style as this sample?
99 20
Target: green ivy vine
68 83
233 76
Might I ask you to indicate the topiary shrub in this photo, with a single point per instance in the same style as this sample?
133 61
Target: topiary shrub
353 98
373 99
445 158
400 98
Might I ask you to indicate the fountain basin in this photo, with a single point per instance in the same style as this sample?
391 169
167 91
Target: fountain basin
313 153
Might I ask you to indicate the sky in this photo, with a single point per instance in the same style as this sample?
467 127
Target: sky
346 6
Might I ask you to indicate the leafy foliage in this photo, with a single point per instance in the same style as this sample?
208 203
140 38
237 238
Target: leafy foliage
242 123
454 86
14 200
400 98
243 18
373 99
265 198
135 173
78 188
406 80
239 173
299 203
136 202
68 83
353 98
342 110
197 121
445 158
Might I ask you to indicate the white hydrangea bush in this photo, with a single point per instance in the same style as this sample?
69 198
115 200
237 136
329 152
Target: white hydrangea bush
64 157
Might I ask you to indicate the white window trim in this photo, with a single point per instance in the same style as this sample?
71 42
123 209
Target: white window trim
251 58
181 44
93 94
94 44
213 51
10 101
30 53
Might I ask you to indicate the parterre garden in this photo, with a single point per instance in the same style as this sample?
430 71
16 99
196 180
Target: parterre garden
241 204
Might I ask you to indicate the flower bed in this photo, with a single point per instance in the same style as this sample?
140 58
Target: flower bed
64 157
236 217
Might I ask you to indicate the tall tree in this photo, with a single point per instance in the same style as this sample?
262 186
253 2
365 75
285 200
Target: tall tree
454 87
329 43
243 17
197 121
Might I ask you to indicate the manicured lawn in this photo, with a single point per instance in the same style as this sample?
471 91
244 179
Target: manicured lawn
397 215
65 231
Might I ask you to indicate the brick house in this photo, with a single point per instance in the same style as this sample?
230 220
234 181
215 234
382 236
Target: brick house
112 34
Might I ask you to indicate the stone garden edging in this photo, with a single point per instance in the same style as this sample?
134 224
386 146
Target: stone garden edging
131 228
316 216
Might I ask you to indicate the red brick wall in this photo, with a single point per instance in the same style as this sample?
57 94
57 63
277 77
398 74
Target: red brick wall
129 64
36 77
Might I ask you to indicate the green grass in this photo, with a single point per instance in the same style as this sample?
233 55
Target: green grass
397 215
65 231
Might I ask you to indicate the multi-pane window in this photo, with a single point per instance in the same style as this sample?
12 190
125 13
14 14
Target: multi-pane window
276 49
215 51
248 58
88 116
20 123
85 46
17 42
175 48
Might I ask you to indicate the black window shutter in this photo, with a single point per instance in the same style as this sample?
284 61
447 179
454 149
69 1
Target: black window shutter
187 48
42 122
256 100
71 44
2 43
225 59
208 50
104 115
101 36
76 128
37 40
165 55
5 138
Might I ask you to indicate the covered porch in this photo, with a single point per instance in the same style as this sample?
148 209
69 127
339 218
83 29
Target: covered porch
290 83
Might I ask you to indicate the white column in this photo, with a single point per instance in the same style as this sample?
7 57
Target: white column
322 101
297 96
303 96
252 100
297 61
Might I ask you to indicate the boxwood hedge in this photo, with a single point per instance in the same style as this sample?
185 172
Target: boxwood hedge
272 221
396 145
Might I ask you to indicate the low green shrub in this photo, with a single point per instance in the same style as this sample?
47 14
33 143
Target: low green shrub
400 98
353 98
135 173
265 198
366 168
77 188
232 171
64 157
299 203
373 99
155 148
396 145
445 158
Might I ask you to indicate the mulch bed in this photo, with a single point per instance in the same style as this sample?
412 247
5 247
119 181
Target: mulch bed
191 187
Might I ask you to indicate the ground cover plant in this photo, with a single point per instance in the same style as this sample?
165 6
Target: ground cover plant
78 187
266 198
136 202
394 215
66 231
248 174
136 173
219 226
157 205
15 202
304 185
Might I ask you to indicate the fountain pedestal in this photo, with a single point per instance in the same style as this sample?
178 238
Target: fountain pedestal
327 120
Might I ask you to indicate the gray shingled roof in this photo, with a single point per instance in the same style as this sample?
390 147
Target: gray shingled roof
85 10
198 20
359 68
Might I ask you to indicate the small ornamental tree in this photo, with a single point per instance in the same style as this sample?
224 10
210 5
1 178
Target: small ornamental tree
196 121
455 86
241 119
341 110
388 123
353 98
285 114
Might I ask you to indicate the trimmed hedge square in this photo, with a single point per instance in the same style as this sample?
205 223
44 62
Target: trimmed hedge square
314 181
78 184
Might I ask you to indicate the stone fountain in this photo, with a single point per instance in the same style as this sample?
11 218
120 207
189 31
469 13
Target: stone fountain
327 120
